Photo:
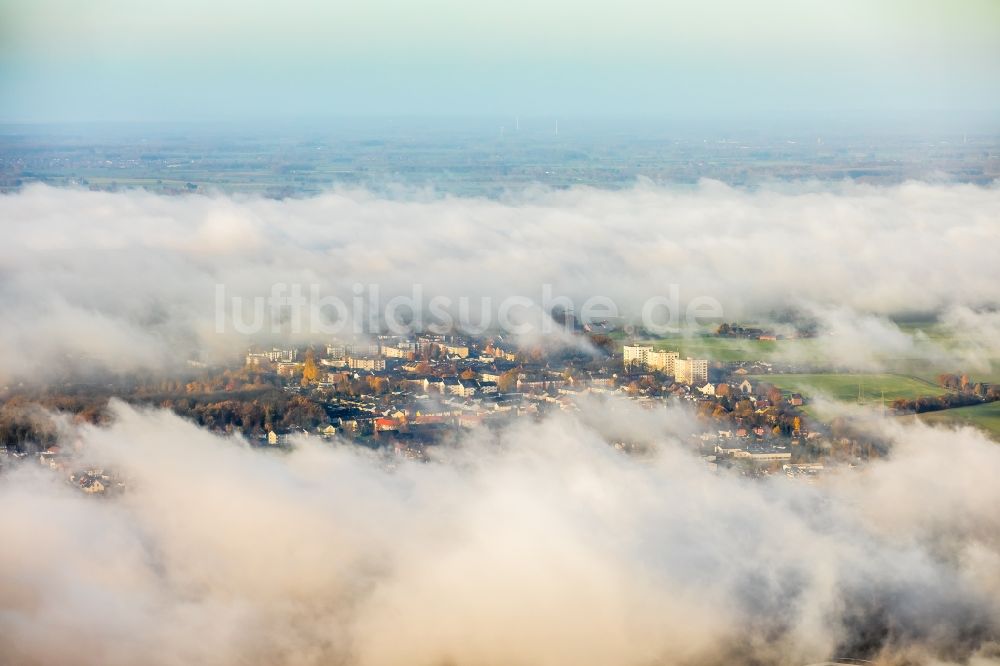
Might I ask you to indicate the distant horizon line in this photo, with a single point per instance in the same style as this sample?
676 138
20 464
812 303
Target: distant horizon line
908 123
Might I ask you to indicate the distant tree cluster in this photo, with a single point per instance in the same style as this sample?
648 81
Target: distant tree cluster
272 410
937 403
25 429
727 330
602 342
246 400
953 381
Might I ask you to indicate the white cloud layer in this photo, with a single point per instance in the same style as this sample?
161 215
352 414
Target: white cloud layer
127 280
542 546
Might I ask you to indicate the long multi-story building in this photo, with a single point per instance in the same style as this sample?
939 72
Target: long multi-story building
364 348
636 355
645 356
276 355
691 371
365 363
461 351
665 361
395 352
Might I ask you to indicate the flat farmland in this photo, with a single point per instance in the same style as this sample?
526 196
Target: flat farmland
985 417
739 349
845 387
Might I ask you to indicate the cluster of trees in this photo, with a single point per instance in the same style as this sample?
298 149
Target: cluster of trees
246 400
803 328
726 330
962 383
602 342
25 429
241 379
965 393
953 381
273 410
947 401
351 387
26 424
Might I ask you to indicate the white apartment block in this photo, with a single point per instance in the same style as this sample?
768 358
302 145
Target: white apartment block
646 356
395 352
365 363
460 351
662 360
635 355
363 349
691 371
274 356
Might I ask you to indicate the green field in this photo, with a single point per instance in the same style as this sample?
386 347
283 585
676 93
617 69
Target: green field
986 417
932 353
845 387
736 349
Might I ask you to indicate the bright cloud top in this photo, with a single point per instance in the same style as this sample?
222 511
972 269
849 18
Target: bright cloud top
129 279
540 545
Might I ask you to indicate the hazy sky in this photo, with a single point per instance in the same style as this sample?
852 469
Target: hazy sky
230 59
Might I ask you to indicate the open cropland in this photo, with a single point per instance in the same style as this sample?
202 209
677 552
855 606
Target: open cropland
985 417
807 352
737 349
932 349
846 387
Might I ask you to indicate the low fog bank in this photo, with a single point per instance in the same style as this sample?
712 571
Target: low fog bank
127 281
538 544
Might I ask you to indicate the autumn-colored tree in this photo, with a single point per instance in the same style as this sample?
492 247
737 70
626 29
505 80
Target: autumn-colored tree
602 341
508 381
310 373
948 380
468 374
378 384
